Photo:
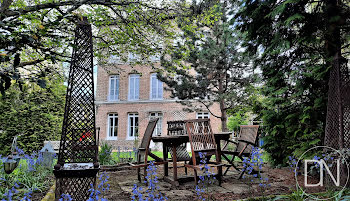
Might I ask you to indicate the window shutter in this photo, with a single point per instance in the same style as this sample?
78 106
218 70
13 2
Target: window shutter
116 94
160 89
137 87
131 88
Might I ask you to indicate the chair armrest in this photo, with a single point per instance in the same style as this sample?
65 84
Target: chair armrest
234 142
251 143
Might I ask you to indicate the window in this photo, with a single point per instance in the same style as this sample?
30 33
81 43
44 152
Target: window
112 126
133 126
113 88
134 83
202 115
155 58
114 59
156 87
158 129
133 57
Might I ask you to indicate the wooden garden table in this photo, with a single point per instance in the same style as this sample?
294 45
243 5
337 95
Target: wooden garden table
172 141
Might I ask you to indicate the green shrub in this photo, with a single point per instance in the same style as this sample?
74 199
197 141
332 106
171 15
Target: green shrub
105 154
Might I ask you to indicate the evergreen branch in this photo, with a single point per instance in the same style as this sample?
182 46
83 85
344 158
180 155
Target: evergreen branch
207 106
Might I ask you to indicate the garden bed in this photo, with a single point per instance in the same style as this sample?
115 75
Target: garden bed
282 182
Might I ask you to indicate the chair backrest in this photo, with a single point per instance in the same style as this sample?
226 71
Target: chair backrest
248 133
201 135
176 128
146 140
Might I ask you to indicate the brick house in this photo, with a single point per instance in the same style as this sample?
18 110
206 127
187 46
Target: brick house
128 96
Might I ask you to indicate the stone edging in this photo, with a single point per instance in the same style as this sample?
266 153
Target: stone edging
50 195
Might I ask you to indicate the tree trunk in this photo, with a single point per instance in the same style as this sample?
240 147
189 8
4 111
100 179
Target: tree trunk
222 106
223 116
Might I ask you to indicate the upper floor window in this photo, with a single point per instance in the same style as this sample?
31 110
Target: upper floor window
133 126
114 59
113 94
112 126
202 115
134 85
133 57
156 87
158 129
155 58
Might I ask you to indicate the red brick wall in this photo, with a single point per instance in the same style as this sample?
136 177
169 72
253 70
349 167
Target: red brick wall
143 107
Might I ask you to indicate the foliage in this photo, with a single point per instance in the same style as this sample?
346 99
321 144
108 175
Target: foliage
293 44
236 120
34 112
30 176
105 154
65 197
36 35
252 166
152 191
205 65
205 180
102 187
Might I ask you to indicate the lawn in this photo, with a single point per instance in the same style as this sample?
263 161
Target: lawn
118 156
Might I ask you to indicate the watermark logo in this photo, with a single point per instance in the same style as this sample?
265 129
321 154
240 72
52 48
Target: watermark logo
314 168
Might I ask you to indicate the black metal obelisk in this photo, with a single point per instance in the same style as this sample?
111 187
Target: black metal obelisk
77 163
337 133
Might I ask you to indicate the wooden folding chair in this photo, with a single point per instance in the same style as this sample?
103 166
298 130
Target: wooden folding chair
248 138
144 151
202 140
178 128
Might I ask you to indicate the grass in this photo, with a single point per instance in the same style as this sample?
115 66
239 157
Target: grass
117 155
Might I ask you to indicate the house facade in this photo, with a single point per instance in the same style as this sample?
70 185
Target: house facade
128 96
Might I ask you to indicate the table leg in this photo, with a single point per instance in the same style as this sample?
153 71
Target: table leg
218 147
165 157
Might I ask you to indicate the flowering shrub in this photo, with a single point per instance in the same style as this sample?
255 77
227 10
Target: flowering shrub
205 180
255 161
152 191
105 154
99 193
29 176
65 197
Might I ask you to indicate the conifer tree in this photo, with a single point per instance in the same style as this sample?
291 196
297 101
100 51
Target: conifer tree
294 42
205 65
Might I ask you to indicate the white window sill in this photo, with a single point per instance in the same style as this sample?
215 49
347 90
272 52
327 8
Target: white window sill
130 138
112 138
112 100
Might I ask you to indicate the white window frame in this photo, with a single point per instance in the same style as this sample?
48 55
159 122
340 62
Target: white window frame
158 129
201 115
115 97
159 84
133 57
109 117
133 78
132 115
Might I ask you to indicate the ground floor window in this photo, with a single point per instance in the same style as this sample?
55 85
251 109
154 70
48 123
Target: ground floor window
202 115
112 126
158 130
133 125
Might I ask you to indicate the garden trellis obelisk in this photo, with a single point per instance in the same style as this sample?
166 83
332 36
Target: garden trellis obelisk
337 130
77 163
